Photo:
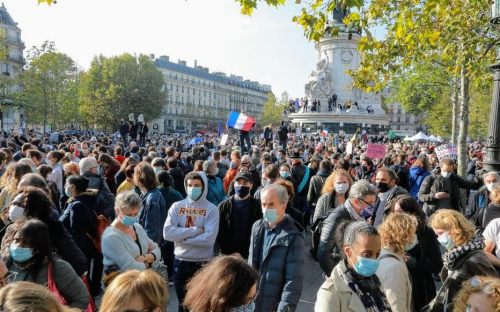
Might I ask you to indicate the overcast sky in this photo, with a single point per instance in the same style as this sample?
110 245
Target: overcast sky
267 47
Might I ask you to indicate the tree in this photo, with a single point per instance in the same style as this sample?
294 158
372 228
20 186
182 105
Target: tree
49 86
114 87
274 108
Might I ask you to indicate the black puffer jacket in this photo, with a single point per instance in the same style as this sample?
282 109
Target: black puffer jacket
329 254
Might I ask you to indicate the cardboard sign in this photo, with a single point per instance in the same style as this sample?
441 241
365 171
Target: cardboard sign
223 141
131 117
376 151
348 149
298 131
447 150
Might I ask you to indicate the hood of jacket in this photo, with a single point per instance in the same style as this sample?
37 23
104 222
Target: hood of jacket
323 173
414 171
176 172
88 198
205 187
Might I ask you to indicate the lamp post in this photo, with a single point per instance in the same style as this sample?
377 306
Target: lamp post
492 162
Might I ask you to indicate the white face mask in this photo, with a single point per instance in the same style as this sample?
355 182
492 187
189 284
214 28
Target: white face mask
16 213
490 186
341 188
49 162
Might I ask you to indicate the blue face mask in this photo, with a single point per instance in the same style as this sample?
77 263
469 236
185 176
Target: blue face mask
216 171
446 175
409 246
33 169
129 221
270 215
194 192
99 171
285 174
279 157
20 254
446 241
44 160
67 192
157 169
365 266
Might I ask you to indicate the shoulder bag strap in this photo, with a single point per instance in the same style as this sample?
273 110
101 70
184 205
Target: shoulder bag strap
388 256
304 180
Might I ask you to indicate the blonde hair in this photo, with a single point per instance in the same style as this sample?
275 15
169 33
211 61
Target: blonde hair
71 166
467 289
26 296
146 284
236 154
330 181
461 230
495 195
397 230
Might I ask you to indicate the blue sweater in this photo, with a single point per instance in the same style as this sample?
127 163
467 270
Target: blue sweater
153 214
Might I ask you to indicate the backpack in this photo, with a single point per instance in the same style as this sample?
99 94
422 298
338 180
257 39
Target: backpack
316 230
101 224
105 202
403 177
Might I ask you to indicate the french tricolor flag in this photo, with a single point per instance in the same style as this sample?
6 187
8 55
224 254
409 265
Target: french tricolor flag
240 121
325 132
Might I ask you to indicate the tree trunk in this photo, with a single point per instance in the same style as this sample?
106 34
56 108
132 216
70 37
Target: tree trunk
464 122
456 110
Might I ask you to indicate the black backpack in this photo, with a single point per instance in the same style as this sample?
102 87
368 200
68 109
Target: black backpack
316 230
105 202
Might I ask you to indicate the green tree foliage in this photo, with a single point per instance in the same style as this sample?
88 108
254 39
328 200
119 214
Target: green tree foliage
50 86
274 107
114 87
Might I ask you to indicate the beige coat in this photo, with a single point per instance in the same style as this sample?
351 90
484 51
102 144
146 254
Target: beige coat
395 280
336 296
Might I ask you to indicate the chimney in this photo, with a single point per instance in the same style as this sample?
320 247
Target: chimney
152 56
183 63
164 58
195 63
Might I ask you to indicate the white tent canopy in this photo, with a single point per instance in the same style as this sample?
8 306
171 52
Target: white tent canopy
433 139
418 136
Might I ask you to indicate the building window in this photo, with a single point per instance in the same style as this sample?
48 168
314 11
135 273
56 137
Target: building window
399 111
194 91
177 88
407 119
398 127
182 89
399 120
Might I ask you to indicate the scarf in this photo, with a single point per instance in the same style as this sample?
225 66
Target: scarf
352 212
452 255
376 302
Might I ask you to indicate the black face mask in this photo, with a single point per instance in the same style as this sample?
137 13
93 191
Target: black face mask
382 187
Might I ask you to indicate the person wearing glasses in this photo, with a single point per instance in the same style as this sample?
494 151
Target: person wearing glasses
480 293
135 291
362 196
464 257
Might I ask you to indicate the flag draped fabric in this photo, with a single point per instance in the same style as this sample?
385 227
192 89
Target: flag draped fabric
240 121
325 132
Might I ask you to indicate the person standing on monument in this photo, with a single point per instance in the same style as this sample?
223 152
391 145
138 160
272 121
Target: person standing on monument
334 99
330 102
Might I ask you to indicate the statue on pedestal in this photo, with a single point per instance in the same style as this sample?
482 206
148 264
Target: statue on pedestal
320 80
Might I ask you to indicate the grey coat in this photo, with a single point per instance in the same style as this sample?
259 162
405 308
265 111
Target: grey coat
280 285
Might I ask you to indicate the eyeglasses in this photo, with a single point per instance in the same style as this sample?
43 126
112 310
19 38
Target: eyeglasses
369 205
143 310
10 277
487 288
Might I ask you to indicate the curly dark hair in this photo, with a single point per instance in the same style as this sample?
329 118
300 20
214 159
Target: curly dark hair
36 203
221 285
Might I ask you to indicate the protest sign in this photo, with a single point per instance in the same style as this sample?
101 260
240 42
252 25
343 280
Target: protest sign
447 150
376 151
348 149
223 141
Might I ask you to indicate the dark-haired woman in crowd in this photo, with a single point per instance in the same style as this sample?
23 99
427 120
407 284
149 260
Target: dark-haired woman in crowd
226 284
79 219
109 168
34 203
120 175
424 258
30 255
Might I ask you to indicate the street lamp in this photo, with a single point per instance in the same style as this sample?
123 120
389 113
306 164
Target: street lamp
492 162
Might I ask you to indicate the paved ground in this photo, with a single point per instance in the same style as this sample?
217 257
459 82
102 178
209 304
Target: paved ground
312 282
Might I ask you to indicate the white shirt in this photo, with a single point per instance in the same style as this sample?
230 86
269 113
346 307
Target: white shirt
492 233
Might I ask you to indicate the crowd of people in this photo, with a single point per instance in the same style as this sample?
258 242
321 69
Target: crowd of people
224 226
